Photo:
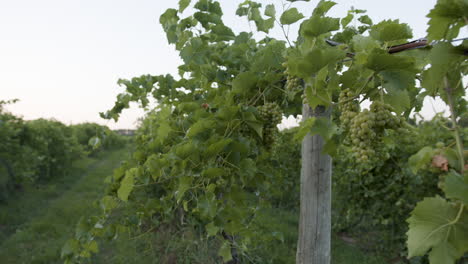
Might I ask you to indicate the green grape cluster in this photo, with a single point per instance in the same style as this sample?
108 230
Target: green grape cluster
363 136
293 83
272 116
384 117
349 107
407 133
367 129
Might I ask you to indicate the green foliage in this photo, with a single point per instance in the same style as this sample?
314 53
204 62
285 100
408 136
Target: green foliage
421 159
446 19
291 16
13 155
440 226
444 238
40 150
390 31
33 150
251 10
376 199
94 137
206 151
456 187
53 145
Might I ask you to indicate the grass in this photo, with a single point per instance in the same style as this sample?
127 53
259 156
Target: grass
31 200
170 245
166 245
287 222
36 223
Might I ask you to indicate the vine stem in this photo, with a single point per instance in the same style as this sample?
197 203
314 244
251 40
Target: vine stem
456 128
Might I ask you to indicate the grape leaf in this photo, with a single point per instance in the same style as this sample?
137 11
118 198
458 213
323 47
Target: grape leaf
291 16
215 148
452 157
252 11
126 186
317 96
199 127
316 26
445 253
323 127
209 6
398 99
322 8
183 151
207 206
211 173
316 126
330 147
71 246
446 19
194 52
169 22
434 225
456 186
227 113
184 185
398 79
225 252
420 159
444 55
304 128
163 131
244 83
346 20
206 19
265 25
364 44
314 60
223 33
108 203
253 123
365 19
390 30
211 229
92 246
380 60
183 5
154 165
443 58
268 57
270 10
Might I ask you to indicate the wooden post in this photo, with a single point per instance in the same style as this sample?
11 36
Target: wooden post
314 242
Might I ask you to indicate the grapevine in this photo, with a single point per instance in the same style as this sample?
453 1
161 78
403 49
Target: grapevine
199 151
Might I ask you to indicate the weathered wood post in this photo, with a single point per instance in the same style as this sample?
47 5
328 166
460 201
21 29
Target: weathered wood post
314 242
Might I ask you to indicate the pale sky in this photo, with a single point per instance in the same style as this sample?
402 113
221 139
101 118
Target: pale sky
62 58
